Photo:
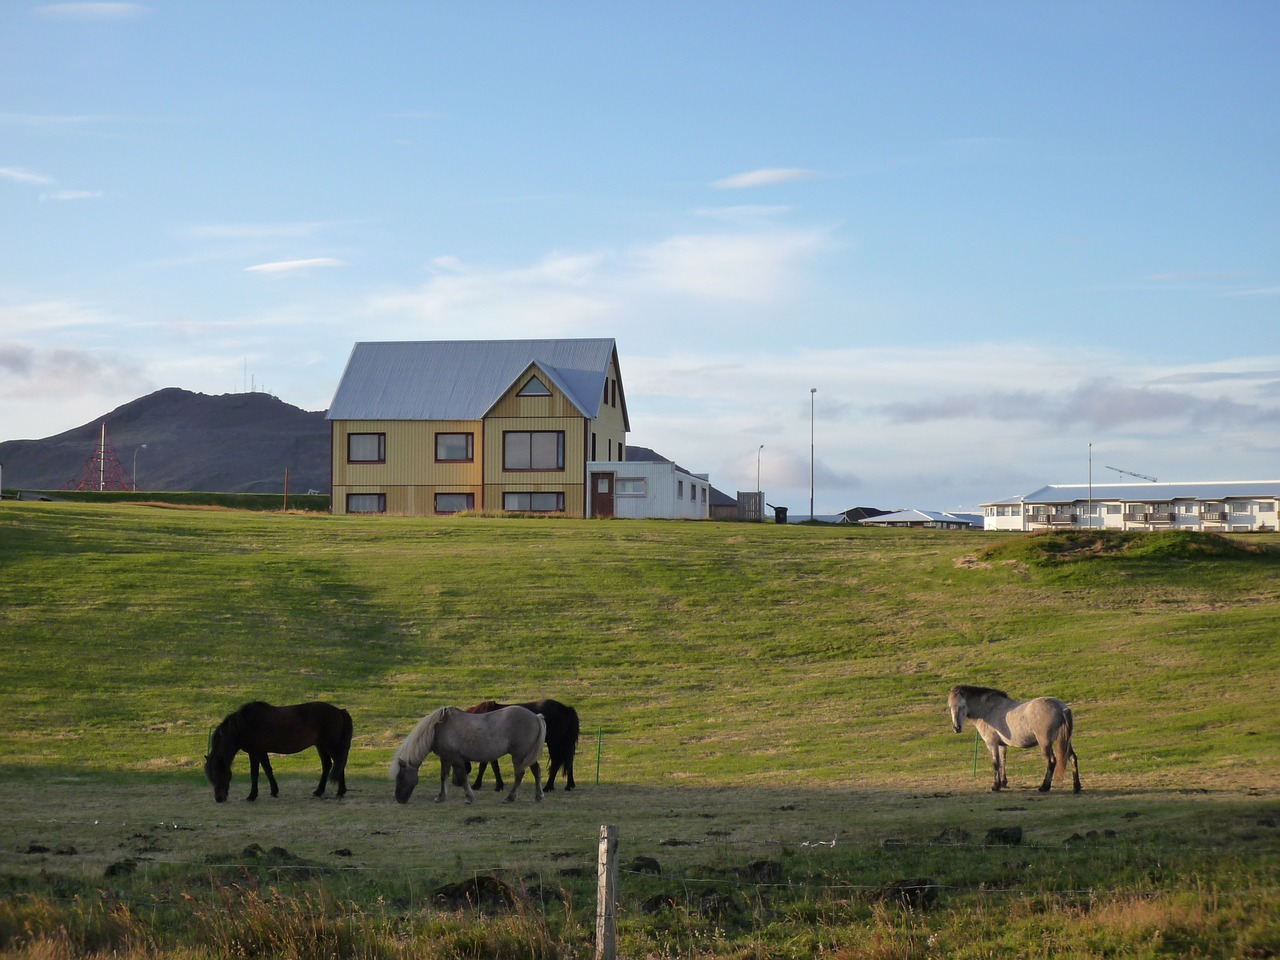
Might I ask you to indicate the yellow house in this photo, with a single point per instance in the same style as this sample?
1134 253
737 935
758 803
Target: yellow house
438 427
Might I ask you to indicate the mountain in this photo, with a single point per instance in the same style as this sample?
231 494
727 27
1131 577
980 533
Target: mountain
233 443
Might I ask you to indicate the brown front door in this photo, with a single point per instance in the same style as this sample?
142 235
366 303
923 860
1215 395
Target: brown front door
602 494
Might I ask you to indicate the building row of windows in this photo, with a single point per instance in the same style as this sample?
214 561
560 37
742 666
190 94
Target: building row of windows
1113 509
521 449
446 503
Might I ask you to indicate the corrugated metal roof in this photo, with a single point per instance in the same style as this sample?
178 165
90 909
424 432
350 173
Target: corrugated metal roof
462 379
1148 492
923 516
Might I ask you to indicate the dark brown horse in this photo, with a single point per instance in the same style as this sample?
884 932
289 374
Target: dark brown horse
562 739
259 728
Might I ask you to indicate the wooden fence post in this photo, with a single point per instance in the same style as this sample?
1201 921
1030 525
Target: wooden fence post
607 894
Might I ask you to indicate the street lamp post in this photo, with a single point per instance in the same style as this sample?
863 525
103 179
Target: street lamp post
135 466
759 494
812 391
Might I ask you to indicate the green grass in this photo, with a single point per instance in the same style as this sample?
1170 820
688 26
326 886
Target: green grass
754 689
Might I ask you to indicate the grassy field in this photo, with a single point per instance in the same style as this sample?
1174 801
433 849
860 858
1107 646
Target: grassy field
764 716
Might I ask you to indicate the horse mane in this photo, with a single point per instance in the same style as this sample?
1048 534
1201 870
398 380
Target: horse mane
231 730
417 744
974 693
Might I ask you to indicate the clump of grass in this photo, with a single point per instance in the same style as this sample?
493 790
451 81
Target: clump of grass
1071 546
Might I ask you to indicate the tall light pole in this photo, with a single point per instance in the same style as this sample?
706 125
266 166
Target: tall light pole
135 466
812 391
759 494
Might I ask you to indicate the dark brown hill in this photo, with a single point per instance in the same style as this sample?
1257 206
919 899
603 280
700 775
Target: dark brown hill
233 443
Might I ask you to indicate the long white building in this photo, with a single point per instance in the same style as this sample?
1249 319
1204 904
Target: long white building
1237 506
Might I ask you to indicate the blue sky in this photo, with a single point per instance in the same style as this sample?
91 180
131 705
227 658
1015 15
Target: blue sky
988 234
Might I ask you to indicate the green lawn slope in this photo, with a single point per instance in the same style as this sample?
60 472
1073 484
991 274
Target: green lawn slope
745 690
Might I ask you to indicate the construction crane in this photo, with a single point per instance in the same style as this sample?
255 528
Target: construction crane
1140 476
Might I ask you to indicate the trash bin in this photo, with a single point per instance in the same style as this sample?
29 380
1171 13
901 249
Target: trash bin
779 514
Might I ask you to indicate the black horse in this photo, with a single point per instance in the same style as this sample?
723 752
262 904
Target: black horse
259 728
562 739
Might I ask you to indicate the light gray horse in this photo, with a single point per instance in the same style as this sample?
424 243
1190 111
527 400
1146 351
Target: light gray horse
1003 722
457 737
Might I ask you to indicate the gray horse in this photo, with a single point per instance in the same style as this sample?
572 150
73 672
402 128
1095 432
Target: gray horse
1003 722
458 737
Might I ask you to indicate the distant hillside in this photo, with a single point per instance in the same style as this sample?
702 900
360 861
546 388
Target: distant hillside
233 443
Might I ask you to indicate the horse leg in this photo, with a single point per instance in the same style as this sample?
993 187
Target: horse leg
995 765
445 767
551 773
326 764
475 784
340 769
497 777
466 785
1075 772
515 786
271 775
254 760
568 772
1047 751
537 781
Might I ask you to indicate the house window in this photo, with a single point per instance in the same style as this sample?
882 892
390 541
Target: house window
629 487
455 447
366 448
534 388
455 502
533 502
593 445
1267 507
704 496
679 489
533 450
366 503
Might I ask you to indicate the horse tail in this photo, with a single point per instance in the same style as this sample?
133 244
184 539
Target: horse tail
571 738
1064 743
535 751
348 730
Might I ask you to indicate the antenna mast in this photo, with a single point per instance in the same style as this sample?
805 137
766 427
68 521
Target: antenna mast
102 471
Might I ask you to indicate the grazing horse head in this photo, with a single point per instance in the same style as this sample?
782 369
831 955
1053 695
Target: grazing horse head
406 781
217 766
410 754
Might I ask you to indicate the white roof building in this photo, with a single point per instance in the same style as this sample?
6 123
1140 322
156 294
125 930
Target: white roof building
1226 505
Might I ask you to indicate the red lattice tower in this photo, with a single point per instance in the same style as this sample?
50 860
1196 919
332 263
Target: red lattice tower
102 471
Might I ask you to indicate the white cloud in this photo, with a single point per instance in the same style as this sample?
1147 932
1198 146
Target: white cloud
18 175
756 266
767 177
29 320
575 294
62 196
292 266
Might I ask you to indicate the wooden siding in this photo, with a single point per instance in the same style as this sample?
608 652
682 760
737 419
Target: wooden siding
609 425
410 476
